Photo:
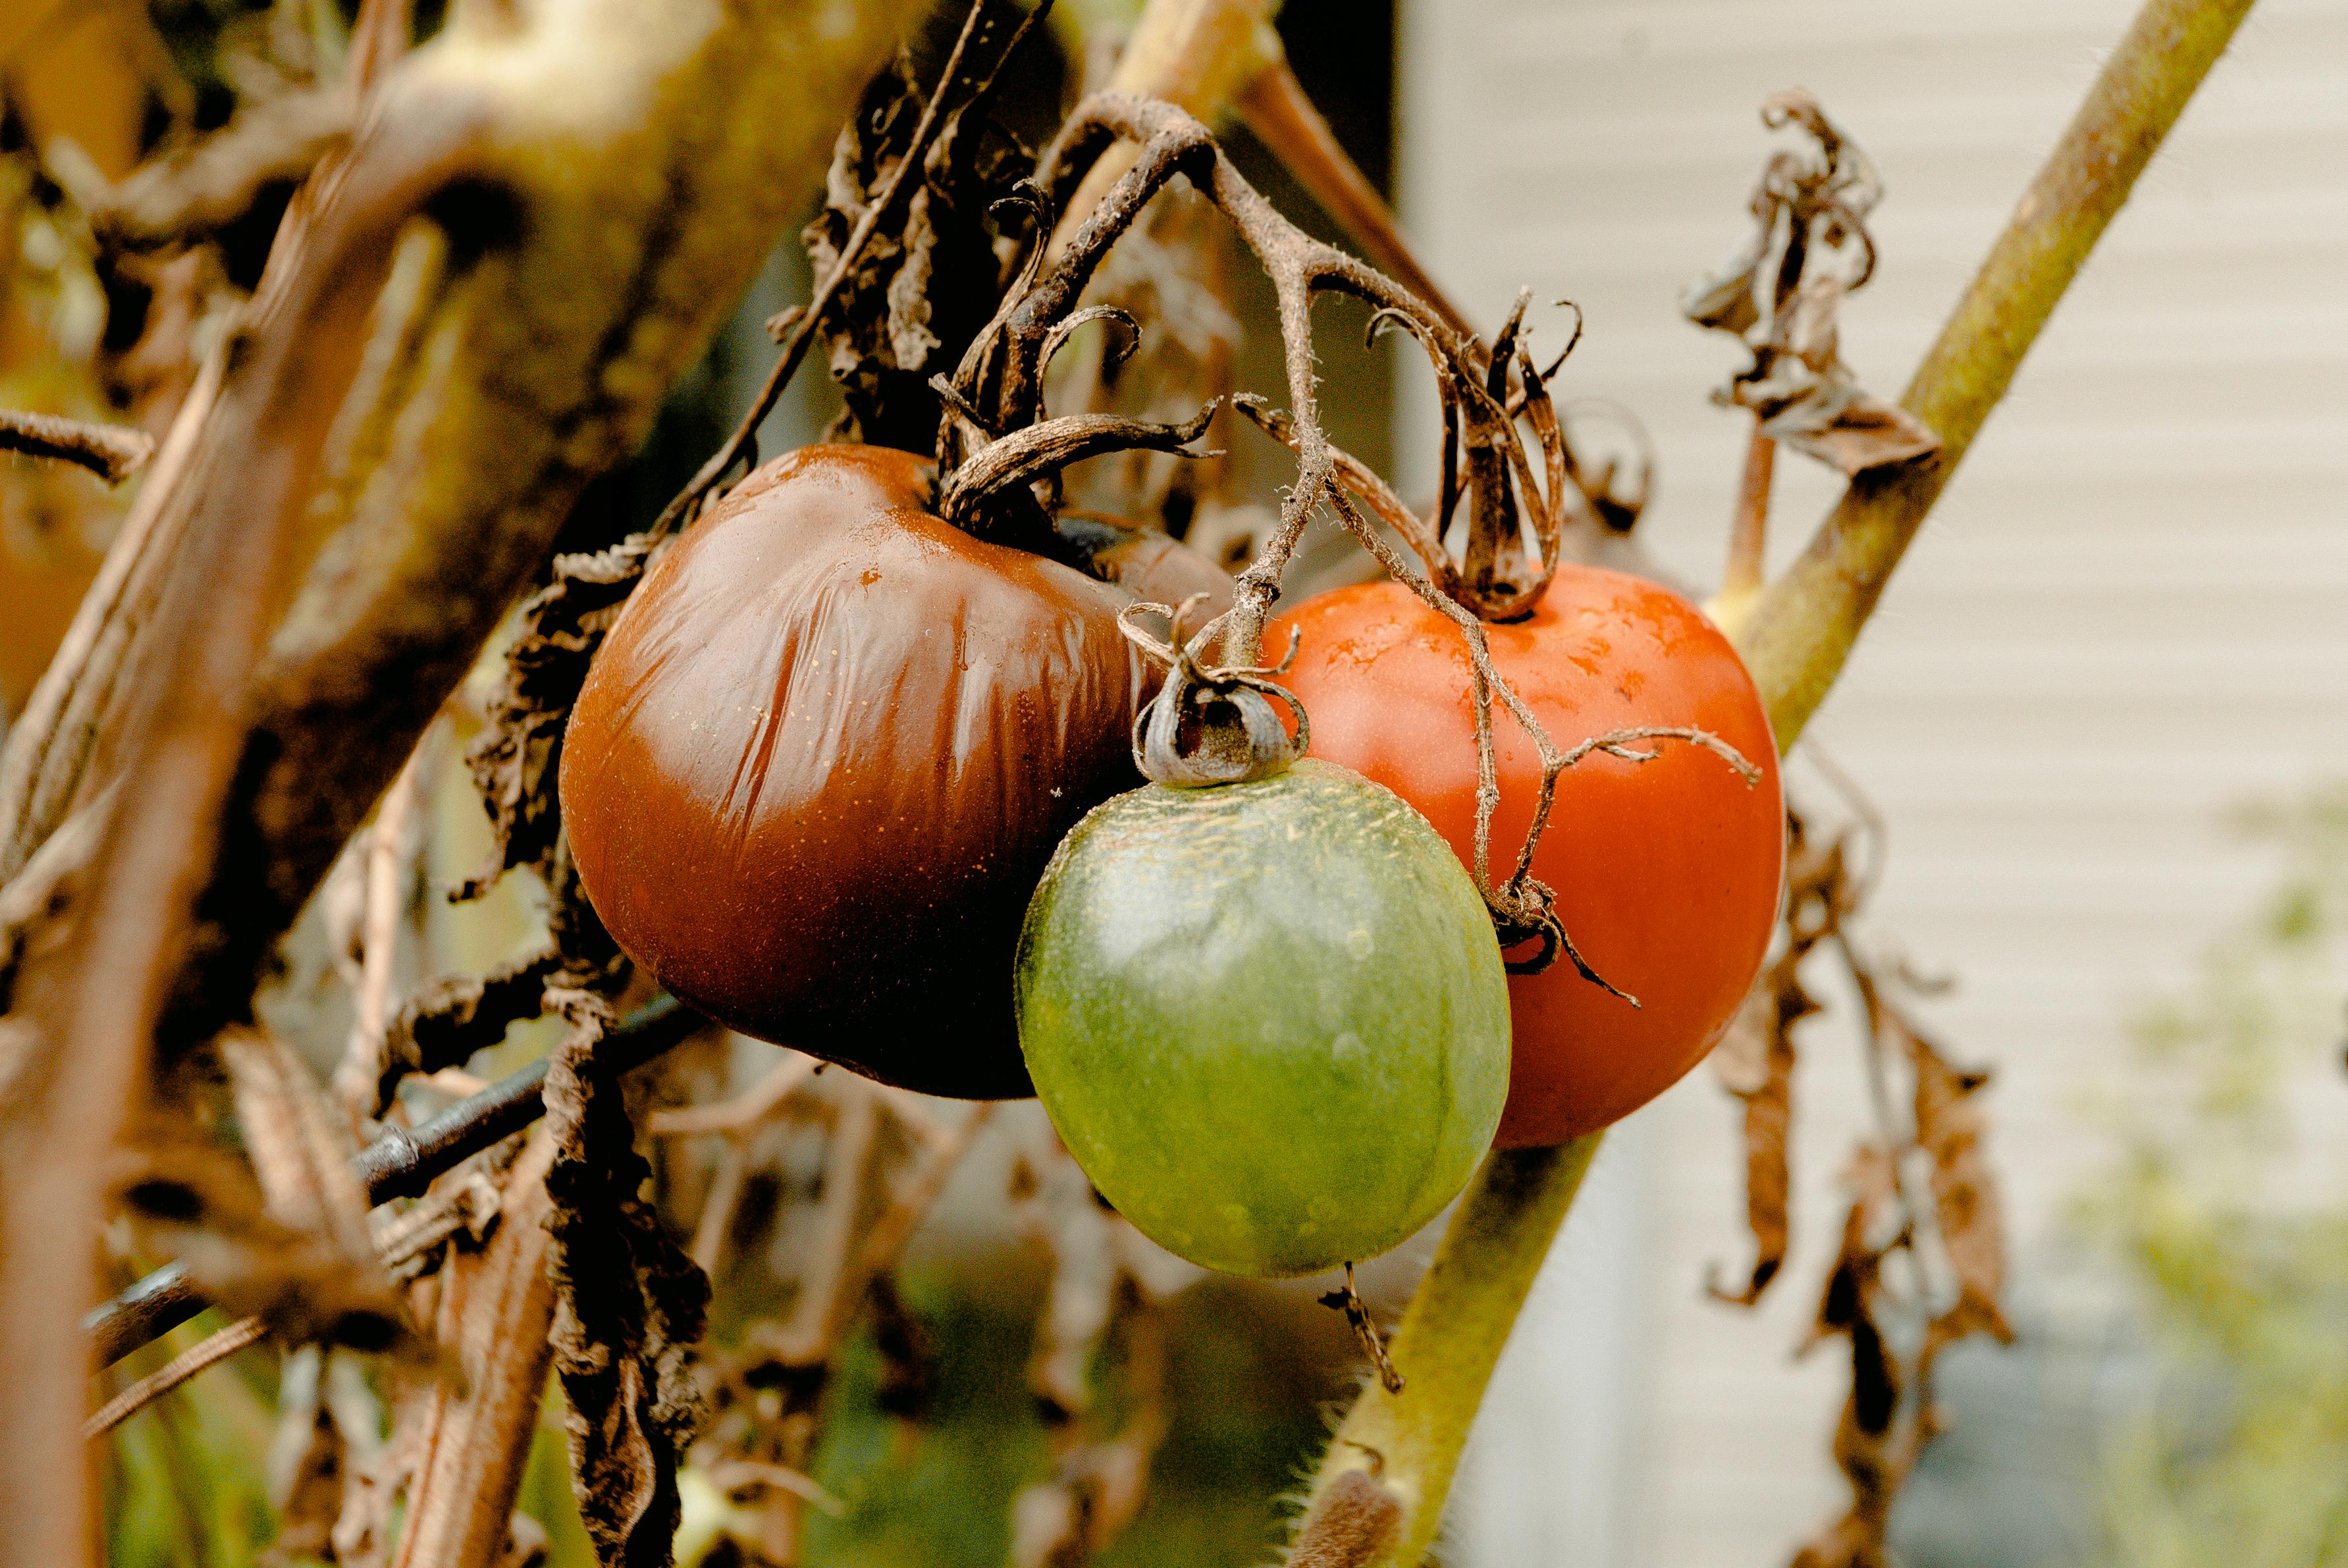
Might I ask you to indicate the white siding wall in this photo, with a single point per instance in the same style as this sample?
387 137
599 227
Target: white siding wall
2130 610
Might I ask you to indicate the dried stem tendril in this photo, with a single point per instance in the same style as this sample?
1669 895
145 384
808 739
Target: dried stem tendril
1212 724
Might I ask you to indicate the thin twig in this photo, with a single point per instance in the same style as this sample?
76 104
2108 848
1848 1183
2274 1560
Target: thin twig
204 1353
400 1163
112 452
803 328
1348 1301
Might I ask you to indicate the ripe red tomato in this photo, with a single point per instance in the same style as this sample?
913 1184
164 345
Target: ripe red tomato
1666 872
824 755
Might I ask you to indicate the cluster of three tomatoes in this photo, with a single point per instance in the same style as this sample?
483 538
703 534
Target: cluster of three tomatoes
845 778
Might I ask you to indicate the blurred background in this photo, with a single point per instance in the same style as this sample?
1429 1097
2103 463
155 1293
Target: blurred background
2092 745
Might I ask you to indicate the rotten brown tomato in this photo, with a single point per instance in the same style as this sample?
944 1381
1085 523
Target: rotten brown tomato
822 759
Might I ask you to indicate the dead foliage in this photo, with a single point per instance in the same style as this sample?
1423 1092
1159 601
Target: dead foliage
1781 295
1921 1259
929 277
629 1306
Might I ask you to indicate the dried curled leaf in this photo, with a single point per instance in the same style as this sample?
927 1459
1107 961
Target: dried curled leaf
925 284
514 761
1755 1059
451 1017
1782 294
629 1306
1966 1213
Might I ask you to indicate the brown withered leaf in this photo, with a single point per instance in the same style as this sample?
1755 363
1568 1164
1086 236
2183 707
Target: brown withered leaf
1877 1439
1966 1211
1782 292
514 760
928 280
1765 1030
629 1306
1755 1059
1889 1418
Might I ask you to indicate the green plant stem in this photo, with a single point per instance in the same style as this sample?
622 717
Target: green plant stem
1407 1446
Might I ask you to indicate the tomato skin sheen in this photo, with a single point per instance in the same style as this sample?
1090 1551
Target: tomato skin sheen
1268 1019
1666 872
826 751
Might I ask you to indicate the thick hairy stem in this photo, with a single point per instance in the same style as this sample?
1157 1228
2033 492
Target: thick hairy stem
1452 1334
1405 1445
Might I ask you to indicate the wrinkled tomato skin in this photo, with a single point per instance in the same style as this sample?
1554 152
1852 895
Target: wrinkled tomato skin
826 753
1667 872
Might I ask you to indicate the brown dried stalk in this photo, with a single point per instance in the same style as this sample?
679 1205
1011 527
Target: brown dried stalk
210 1351
496 1318
112 452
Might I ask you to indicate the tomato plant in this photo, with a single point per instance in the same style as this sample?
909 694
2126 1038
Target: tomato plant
825 753
1268 1017
1666 871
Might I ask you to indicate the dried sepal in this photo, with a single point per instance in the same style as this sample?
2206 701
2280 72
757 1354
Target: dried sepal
1209 723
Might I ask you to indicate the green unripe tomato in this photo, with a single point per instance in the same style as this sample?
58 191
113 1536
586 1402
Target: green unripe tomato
1269 1019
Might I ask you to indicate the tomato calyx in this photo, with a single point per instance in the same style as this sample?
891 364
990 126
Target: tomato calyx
1210 724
